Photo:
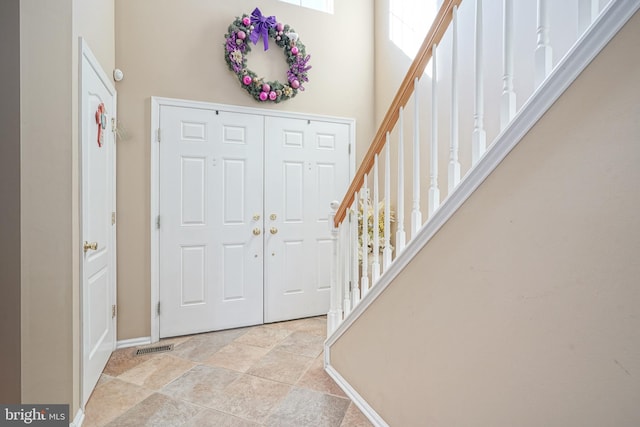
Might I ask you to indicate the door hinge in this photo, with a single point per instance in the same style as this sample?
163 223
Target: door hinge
158 222
349 148
113 124
113 311
113 218
158 308
158 135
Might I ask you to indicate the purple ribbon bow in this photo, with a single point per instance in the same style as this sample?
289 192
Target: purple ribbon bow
261 26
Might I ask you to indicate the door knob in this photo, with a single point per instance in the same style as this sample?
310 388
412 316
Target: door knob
93 246
256 231
273 230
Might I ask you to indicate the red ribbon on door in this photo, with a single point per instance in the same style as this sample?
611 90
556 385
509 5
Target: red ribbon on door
101 121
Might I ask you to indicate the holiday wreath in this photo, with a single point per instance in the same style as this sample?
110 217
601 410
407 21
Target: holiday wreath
251 28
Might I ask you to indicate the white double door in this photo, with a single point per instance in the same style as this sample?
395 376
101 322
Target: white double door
244 201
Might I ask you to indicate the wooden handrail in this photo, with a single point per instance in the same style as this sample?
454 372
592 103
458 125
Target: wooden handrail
434 36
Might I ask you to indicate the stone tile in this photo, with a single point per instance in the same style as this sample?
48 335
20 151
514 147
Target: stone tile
174 340
264 337
124 359
278 365
211 418
198 384
111 399
249 397
157 410
315 326
317 379
308 408
236 356
200 347
291 325
310 325
302 343
276 355
157 372
103 379
355 418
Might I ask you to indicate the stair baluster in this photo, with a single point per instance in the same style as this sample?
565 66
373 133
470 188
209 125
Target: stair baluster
544 53
401 236
355 254
454 163
479 136
416 215
386 252
588 11
334 317
434 190
375 254
508 99
364 279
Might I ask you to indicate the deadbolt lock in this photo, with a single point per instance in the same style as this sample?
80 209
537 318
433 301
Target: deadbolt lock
90 246
273 217
256 231
256 217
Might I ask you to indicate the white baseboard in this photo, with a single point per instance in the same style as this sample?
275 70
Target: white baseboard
355 397
79 418
133 342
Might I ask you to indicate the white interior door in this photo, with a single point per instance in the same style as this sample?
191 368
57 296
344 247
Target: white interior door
98 220
211 202
306 167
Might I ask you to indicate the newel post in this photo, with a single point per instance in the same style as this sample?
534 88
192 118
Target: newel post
334 317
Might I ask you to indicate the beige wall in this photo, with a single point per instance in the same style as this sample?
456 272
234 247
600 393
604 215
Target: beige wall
46 193
94 20
49 189
174 49
10 201
523 309
391 64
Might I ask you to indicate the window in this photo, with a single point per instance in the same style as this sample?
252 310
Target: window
409 21
321 5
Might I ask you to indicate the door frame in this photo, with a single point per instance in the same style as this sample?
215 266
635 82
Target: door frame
155 133
85 52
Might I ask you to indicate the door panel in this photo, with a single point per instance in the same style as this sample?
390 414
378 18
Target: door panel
98 204
192 275
193 190
306 167
211 270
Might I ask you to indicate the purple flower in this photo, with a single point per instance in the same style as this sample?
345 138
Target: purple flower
298 70
231 45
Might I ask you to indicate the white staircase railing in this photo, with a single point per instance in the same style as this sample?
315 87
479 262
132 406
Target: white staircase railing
464 103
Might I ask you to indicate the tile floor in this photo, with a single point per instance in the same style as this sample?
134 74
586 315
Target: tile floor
269 375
